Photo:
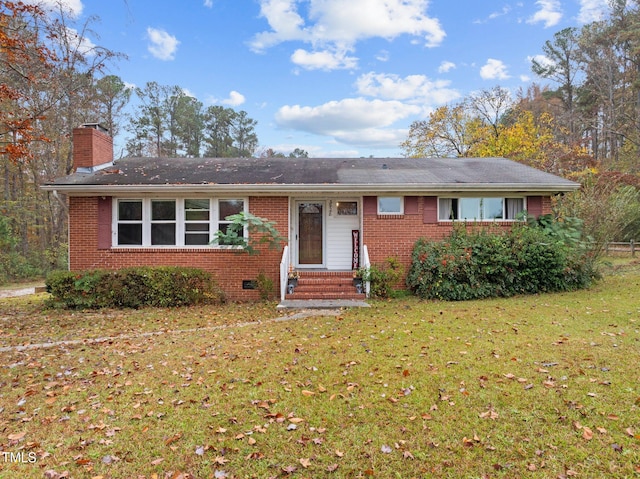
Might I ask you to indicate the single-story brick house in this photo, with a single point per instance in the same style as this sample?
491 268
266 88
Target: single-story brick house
336 213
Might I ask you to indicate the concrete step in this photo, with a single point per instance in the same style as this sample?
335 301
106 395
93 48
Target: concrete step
323 285
305 295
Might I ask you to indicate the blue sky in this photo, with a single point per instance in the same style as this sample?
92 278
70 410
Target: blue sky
337 78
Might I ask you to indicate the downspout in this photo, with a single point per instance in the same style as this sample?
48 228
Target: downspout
66 211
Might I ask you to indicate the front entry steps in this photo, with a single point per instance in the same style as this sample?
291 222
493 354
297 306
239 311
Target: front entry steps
325 285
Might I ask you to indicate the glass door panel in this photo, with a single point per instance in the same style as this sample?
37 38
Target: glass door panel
310 233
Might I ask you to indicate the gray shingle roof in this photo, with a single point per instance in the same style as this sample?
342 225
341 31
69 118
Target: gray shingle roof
288 174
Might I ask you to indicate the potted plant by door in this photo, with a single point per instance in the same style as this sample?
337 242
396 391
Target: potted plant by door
358 279
292 280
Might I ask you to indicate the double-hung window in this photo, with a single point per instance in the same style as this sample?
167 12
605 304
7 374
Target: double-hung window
163 222
129 222
178 222
228 208
197 221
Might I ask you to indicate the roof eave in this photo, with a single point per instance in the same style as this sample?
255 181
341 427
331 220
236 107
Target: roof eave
272 189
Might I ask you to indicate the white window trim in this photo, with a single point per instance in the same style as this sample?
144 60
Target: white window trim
382 213
483 220
214 221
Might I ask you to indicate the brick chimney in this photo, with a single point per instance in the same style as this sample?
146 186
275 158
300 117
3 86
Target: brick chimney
92 148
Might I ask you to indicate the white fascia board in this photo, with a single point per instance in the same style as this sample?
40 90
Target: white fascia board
270 189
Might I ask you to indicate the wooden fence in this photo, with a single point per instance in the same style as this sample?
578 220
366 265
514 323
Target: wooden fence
619 247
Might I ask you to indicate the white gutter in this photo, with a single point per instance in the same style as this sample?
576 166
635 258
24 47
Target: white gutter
274 189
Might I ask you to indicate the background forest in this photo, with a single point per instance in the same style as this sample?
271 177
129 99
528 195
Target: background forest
581 121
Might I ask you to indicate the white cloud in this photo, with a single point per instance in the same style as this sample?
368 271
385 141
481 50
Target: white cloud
494 70
550 13
446 67
323 60
592 10
383 56
412 88
543 60
74 7
336 25
162 45
82 44
235 99
352 120
208 3
505 11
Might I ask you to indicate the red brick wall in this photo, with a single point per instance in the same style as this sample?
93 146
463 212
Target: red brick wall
229 268
395 235
384 236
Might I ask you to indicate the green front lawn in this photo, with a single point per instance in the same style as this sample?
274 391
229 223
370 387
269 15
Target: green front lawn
540 386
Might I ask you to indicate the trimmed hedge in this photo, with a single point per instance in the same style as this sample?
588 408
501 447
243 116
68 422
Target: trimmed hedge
525 260
164 286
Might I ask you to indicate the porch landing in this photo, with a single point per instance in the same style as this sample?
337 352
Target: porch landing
321 304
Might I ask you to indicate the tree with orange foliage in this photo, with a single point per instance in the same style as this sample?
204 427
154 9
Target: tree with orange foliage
25 61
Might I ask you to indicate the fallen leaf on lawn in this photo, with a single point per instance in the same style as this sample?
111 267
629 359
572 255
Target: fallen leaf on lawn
332 467
155 462
587 434
339 453
305 462
491 414
307 393
172 439
386 449
407 455
601 430
110 459
629 432
532 467
200 450
17 436
220 460
289 469
296 420
613 417
220 475
251 441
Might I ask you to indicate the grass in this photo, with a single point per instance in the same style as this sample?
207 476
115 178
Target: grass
541 386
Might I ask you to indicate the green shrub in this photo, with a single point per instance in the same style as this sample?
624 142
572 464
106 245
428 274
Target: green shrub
383 278
164 286
526 260
265 286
